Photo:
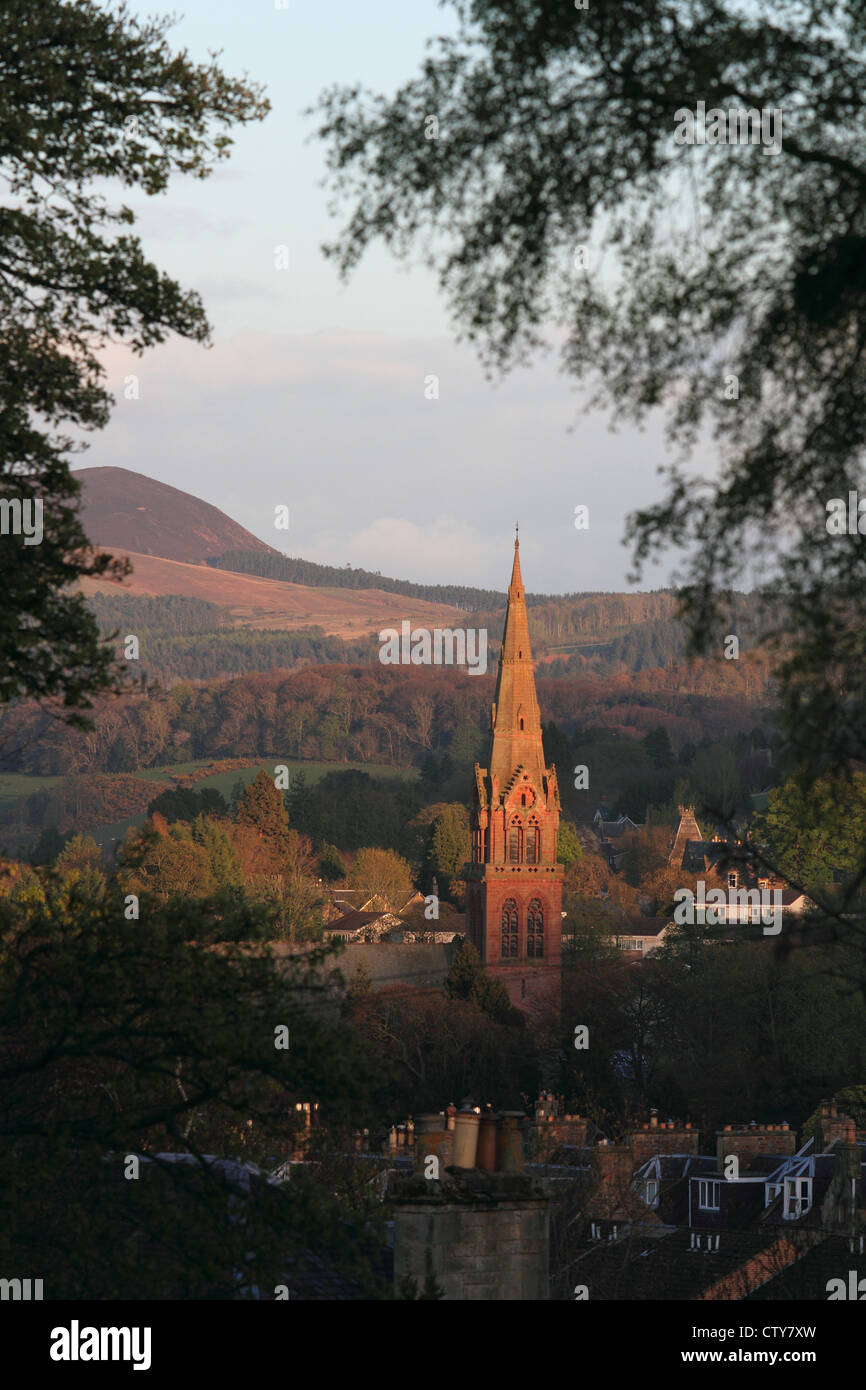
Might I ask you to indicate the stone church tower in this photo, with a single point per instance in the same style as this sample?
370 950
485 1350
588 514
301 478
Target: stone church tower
514 884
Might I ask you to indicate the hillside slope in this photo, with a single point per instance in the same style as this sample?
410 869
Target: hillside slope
271 604
129 513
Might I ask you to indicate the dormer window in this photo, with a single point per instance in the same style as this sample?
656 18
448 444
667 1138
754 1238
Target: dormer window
709 1193
798 1197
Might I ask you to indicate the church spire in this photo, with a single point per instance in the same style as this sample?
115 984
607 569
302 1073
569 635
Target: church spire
516 719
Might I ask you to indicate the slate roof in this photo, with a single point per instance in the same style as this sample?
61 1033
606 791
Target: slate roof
642 1264
808 1277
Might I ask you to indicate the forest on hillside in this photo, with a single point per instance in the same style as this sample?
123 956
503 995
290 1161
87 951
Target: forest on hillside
190 639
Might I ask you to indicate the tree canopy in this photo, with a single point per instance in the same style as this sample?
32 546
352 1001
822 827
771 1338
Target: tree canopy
89 93
533 163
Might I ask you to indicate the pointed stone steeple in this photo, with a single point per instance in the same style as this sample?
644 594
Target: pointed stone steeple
515 718
514 881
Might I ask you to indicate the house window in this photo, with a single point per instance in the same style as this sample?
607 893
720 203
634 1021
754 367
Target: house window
732 878
651 1192
535 930
627 943
515 842
708 1195
798 1197
509 928
772 1192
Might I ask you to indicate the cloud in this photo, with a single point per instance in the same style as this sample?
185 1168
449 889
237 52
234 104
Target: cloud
402 549
336 426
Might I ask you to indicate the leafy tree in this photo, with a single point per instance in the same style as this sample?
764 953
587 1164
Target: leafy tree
89 93
80 869
384 875
293 896
354 810
568 846
156 1040
721 285
813 828
215 841
166 862
447 848
433 1049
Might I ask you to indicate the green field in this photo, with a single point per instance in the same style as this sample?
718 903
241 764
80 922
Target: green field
16 785
313 772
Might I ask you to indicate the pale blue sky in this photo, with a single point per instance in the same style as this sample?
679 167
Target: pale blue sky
313 395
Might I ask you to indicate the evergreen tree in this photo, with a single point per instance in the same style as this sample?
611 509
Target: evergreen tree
467 979
332 866
262 806
657 745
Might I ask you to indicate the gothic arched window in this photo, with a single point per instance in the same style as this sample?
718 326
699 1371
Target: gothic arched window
509 928
535 929
515 842
533 842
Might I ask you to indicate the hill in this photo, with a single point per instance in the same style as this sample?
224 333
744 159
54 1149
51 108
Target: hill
268 604
127 512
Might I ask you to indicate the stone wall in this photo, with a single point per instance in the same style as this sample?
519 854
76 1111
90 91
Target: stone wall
416 964
480 1236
